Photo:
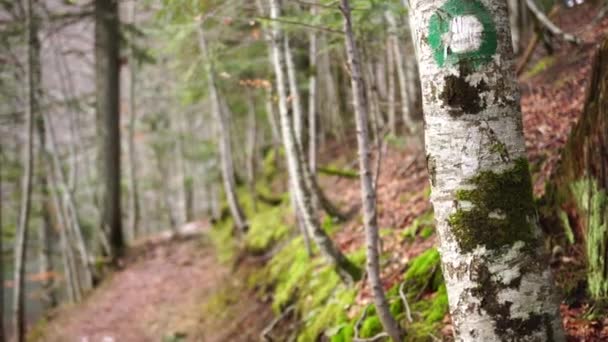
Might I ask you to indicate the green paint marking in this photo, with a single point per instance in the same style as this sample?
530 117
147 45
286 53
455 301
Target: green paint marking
445 18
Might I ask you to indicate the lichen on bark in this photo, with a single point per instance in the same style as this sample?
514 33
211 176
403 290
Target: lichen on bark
493 213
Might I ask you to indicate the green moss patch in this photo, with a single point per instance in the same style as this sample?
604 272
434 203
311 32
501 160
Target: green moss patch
266 228
497 212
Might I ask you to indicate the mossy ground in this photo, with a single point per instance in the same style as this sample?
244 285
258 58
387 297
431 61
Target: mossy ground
322 303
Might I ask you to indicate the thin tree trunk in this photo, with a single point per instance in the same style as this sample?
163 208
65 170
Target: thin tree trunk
220 115
347 271
294 95
251 148
391 109
412 77
21 243
165 190
406 93
272 120
312 98
134 207
499 285
515 23
69 203
73 289
44 231
368 193
107 74
2 330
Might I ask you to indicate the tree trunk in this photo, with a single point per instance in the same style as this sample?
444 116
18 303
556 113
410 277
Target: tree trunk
515 23
368 193
107 75
252 148
32 110
312 98
294 95
220 115
499 286
44 231
2 330
391 109
400 61
134 208
74 291
72 220
347 271
318 198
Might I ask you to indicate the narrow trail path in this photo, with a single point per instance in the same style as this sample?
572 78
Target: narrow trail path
156 297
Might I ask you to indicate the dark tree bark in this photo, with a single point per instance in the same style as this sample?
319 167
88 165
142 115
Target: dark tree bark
107 77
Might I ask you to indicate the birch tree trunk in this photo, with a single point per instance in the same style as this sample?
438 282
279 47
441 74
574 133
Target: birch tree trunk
252 147
499 285
73 290
391 109
312 97
220 114
107 74
347 271
72 220
318 198
400 61
368 193
33 94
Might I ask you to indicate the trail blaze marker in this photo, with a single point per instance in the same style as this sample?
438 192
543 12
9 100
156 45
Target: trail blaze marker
462 30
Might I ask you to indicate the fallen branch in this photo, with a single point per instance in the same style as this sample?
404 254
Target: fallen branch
545 21
265 335
525 58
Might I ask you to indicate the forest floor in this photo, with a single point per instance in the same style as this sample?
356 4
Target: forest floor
171 289
157 296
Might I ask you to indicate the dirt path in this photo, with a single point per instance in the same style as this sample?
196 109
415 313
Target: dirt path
158 296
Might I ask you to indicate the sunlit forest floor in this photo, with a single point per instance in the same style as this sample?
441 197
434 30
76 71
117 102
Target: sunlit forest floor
176 289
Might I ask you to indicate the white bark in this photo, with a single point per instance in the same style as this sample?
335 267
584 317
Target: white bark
400 61
312 98
515 22
499 287
368 193
224 138
330 252
72 220
391 109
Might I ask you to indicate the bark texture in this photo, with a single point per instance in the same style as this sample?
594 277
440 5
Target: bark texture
368 193
107 78
499 286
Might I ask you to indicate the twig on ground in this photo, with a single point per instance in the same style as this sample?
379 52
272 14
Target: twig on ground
265 335
408 313
356 338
